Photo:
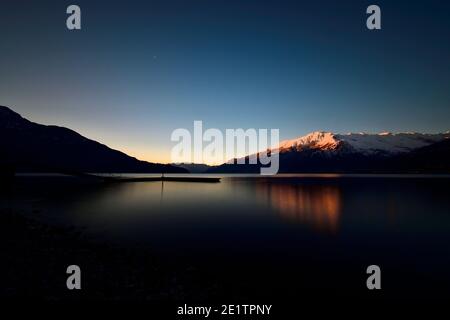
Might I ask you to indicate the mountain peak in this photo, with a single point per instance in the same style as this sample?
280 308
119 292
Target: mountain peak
313 140
31 146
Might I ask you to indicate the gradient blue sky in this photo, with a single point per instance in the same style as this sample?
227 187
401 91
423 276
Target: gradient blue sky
140 69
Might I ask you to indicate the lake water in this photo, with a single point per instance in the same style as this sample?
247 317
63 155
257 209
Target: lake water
316 232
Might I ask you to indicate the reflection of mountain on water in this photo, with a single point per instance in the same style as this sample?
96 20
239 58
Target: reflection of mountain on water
314 205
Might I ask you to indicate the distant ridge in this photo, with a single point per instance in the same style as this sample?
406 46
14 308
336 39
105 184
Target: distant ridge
385 142
194 167
28 146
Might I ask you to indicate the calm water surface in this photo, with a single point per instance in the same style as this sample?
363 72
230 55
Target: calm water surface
318 225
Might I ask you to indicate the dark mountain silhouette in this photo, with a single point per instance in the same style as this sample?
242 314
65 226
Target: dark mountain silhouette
28 146
323 152
434 158
194 167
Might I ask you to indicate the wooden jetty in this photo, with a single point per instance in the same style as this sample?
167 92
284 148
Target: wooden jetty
7 174
161 178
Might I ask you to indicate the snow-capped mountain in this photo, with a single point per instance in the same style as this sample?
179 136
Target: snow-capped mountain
357 152
365 143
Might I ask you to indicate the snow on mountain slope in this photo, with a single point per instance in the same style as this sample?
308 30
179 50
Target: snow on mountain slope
365 143
390 142
315 140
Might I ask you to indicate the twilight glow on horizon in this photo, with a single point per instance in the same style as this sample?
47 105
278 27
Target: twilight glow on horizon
137 70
